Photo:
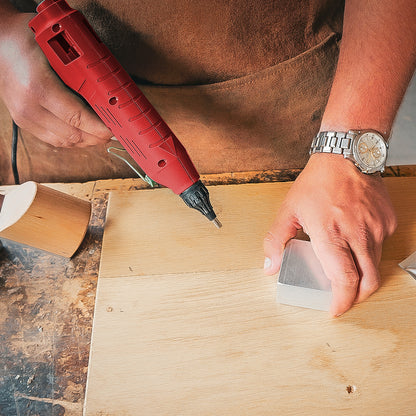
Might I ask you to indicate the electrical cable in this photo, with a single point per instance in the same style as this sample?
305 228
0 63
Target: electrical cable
15 136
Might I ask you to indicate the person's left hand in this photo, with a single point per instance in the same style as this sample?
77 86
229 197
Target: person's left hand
347 215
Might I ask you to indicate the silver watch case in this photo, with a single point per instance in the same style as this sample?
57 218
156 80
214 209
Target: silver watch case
356 156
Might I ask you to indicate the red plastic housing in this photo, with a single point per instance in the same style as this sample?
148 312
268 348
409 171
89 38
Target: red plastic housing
87 66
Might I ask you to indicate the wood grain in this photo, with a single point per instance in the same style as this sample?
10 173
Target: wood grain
44 218
198 331
154 232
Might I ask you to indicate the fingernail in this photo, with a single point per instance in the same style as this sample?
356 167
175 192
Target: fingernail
113 138
267 263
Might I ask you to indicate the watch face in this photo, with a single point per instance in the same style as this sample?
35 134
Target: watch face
370 150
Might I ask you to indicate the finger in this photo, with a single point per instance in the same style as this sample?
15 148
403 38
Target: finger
74 112
283 229
339 267
52 130
367 264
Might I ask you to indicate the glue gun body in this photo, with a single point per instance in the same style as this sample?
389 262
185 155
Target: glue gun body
88 67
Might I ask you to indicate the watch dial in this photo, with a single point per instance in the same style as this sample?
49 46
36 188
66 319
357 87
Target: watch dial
371 150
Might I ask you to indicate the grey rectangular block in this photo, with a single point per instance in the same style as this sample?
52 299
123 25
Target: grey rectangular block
301 281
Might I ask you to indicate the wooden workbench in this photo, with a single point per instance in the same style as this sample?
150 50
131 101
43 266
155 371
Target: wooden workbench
47 302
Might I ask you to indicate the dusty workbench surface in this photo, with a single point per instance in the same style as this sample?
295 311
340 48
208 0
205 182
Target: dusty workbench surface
47 305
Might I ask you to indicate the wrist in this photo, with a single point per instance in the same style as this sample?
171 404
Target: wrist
339 167
333 122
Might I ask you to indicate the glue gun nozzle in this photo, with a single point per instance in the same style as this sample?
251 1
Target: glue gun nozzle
217 222
197 197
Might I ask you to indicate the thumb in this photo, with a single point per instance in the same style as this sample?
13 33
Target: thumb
282 230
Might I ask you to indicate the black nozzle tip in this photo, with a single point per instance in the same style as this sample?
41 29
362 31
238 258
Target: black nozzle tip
197 197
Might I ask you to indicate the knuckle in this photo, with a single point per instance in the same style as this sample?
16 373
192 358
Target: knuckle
74 138
392 224
364 235
348 279
368 238
372 286
269 237
69 141
272 243
334 231
74 119
379 232
338 247
269 241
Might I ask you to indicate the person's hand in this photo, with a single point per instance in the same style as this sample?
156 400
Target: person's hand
347 215
36 98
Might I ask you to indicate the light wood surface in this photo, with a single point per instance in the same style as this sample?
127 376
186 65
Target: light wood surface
154 232
187 324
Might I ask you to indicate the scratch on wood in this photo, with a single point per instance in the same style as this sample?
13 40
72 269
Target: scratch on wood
67 405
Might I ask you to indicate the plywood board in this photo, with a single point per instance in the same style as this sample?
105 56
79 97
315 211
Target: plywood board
154 232
188 336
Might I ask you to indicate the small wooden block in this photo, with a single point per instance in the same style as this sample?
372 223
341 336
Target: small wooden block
44 218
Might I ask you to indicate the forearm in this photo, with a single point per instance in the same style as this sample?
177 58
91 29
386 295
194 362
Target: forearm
376 62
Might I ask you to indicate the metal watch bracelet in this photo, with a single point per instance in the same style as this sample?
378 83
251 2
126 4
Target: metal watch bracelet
333 142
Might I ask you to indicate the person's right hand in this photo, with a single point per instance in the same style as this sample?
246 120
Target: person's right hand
36 98
347 215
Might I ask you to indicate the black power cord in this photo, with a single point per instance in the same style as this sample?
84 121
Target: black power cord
15 136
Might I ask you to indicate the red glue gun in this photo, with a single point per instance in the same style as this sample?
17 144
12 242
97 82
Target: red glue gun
87 66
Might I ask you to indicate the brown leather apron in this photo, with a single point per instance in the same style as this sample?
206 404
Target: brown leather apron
253 116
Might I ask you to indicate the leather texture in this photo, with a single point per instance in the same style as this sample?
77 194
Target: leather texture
243 84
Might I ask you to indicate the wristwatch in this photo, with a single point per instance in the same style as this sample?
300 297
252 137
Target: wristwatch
367 149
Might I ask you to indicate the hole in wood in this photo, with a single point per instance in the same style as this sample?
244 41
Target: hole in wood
350 389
